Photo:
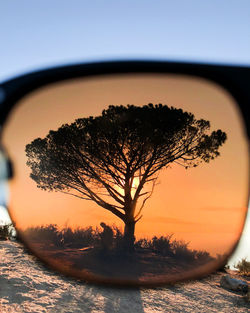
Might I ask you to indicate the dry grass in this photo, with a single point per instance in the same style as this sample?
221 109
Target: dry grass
6 231
244 267
84 250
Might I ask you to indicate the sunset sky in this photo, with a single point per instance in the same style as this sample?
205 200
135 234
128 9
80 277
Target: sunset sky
205 206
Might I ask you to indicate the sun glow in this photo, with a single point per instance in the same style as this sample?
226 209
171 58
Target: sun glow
135 184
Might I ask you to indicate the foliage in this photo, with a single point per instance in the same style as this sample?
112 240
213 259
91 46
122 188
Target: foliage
243 266
44 234
202 255
180 250
78 237
67 236
88 237
7 231
161 245
101 156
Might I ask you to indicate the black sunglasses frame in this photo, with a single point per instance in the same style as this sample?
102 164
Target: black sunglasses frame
234 79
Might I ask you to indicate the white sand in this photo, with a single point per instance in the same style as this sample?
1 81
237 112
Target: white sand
25 286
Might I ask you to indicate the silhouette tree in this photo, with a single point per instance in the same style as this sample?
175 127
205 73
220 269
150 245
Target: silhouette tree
100 158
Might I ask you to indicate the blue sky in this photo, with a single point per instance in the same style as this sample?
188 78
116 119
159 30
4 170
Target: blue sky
38 34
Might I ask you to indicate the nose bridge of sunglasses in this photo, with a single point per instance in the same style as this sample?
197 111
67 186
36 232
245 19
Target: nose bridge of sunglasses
2 95
6 168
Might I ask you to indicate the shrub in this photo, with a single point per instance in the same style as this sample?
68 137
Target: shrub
143 243
87 237
166 246
162 245
4 232
68 237
79 237
7 231
118 238
43 234
181 251
243 266
202 256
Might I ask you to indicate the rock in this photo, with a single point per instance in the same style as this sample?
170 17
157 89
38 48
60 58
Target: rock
233 284
247 296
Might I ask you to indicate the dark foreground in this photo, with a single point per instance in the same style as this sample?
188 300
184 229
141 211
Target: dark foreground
103 255
25 286
143 266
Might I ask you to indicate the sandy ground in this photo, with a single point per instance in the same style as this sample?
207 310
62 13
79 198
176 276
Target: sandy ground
25 286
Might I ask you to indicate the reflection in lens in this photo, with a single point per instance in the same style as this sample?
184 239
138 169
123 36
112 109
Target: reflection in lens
138 193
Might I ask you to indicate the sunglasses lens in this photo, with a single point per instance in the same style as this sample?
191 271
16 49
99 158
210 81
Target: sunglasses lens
147 193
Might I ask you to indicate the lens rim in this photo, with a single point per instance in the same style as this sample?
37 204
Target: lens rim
232 78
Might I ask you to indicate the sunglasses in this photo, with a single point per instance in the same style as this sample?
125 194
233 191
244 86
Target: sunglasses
128 173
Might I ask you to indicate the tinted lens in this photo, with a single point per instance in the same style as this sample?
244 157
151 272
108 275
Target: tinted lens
153 192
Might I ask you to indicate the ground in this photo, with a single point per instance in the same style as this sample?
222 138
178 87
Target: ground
26 286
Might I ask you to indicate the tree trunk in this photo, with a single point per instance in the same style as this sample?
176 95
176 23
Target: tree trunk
129 236
129 220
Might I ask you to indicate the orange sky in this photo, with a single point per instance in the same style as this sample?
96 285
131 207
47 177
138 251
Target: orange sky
203 205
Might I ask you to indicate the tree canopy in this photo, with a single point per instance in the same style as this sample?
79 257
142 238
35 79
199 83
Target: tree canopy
101 156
